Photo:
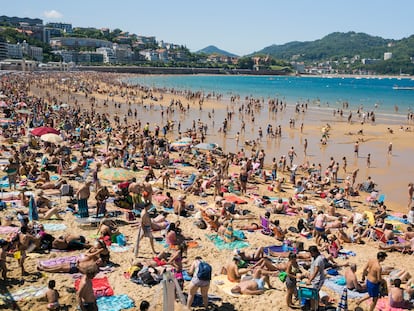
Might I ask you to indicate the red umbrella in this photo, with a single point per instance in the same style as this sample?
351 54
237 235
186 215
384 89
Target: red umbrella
39 131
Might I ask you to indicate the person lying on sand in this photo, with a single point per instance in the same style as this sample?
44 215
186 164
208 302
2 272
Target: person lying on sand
254 286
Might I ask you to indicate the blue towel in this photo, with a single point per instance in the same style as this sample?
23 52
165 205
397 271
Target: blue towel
332 285
115 303
220 244
273 248
54 227
400 219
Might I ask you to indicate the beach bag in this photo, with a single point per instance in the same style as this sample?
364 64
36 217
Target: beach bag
147 278
204 271
282 276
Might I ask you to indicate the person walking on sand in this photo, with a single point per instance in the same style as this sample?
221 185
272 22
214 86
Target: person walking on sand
85 295
356 149
410 194
368 160
390 149
291 155
305 146
82 195
145 229
373 274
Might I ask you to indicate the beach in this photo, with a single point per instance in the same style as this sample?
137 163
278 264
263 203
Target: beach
390 171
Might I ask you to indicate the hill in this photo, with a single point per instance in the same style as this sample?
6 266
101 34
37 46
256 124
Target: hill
332 46
211 49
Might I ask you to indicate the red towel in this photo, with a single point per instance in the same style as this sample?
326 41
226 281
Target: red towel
100 287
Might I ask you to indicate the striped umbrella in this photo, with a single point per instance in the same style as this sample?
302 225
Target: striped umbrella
116 174
343 303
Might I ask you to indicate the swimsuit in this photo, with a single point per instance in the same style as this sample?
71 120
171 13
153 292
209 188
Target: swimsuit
73 268
260 283
373 289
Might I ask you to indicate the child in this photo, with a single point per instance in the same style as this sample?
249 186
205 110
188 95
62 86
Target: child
52 296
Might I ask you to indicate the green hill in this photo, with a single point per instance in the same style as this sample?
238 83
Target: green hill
332 46
211 49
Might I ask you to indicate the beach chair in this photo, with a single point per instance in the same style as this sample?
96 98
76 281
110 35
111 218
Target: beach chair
265 226
305 293
380 236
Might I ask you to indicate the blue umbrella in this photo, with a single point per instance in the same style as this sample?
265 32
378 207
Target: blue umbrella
33 215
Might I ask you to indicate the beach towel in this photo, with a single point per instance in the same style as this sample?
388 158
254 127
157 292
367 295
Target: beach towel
223 283
235 199
331 283
383 305
221 244
370 216
273 248
54 227
83 208
100 287
28 293
57 261
8 229
115 303
395 220
119 249
190 244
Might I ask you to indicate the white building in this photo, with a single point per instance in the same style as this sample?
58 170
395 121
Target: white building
387 55
108 55
36 53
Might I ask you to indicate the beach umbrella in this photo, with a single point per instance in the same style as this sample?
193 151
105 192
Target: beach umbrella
117 174
21 104
33 214
205 146
6 121
343 303
42 130
52 138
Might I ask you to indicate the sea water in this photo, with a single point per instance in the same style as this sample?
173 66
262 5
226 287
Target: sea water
322 95
367 92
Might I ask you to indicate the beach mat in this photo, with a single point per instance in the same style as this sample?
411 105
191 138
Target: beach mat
235 199
57 261
28 293
221 244
101 287
54 227
331 283
115 303
119 249
8 229
224 284
384 305
273 248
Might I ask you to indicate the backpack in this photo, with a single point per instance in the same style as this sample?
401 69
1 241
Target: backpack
204 271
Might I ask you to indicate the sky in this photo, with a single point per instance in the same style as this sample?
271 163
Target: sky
237 26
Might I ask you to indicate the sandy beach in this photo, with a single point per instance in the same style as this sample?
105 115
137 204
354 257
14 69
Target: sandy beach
391 172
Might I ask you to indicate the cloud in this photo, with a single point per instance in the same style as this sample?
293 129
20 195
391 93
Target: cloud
52 14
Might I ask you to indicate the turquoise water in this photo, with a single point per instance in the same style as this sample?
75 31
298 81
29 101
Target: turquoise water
365 92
